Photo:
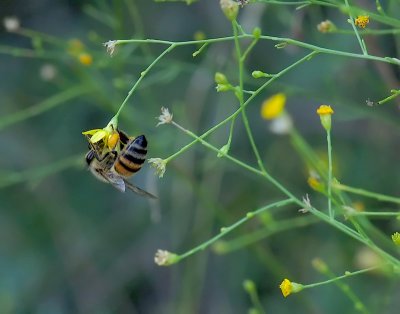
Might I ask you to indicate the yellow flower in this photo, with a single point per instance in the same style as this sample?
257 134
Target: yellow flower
315 184
361 21
109 135
324 110
325 113
396 238
287 287
85 58
273 107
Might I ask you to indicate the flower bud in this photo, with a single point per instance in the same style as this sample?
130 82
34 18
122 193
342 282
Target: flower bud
220 78
325 112
230 9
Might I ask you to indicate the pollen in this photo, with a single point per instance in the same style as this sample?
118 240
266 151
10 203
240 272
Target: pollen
273 106
362 21
325 110
112 140
286 287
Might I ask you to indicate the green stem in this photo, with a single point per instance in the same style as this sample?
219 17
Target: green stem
380 197
394 92
233 116
351 20
345 229
239 94
290 41
346 289
142 75
257 235
330 210
348 274
374 214
226 230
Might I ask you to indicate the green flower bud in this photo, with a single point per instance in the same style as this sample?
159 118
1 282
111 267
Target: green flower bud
220 78
257 32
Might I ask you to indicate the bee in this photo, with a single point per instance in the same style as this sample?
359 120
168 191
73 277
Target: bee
118 164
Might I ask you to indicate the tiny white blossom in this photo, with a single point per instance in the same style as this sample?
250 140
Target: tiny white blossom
281 125
110 46
159 164
165 117
11 23
165 258
307 202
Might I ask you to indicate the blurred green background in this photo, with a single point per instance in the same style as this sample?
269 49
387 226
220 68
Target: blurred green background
70 244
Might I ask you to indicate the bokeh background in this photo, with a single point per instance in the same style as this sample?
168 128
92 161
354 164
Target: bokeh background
70 244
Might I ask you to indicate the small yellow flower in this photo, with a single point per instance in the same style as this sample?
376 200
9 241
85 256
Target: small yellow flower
273 107
324 109
396 238
287 287
325 112
109 135
362 21
85 58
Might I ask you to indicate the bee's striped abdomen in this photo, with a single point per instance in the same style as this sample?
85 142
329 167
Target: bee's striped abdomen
132 157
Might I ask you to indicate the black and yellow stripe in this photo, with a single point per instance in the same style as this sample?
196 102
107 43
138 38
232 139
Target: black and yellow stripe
132 157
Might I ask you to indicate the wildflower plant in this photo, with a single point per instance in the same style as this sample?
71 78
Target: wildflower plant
243 184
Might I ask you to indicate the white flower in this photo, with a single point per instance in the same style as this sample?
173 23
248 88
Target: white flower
165 117
110 46
159 164
165 258
307 202
281 125
11 23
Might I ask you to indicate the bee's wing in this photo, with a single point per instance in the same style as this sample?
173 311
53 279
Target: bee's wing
115 180
139 191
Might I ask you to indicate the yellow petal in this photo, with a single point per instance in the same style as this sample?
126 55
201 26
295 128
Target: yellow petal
273 106
286 287
91 132
325 110
98 136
